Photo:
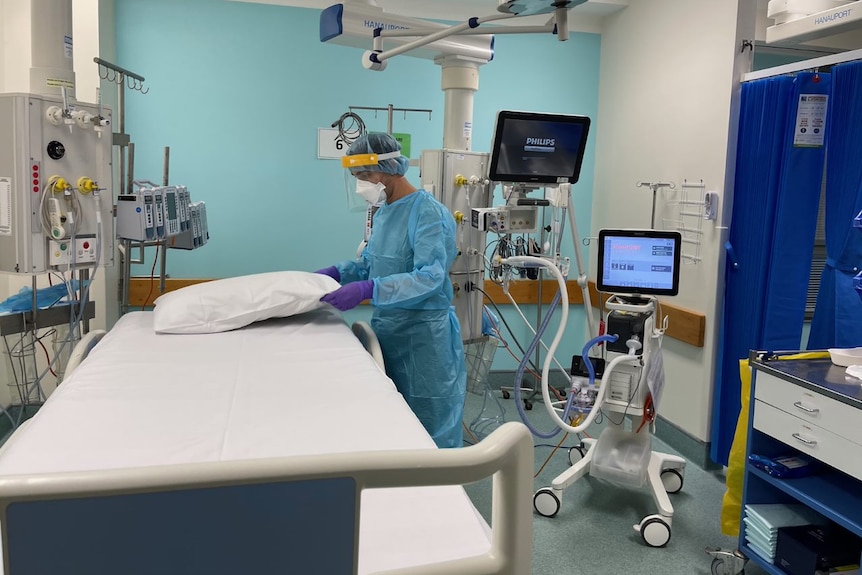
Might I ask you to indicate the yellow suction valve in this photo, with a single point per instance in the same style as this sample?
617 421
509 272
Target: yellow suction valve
59 185
461 180
86 185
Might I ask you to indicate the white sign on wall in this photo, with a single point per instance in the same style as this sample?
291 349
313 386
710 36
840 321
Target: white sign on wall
330 144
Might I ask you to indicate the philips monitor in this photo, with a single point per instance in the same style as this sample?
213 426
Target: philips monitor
642 262
531 147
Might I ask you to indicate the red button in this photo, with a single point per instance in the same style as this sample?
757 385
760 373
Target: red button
35 167
35 174
35 182
86 245
36 189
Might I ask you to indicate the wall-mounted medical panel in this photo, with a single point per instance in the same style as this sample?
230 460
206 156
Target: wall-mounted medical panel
458 179
55 180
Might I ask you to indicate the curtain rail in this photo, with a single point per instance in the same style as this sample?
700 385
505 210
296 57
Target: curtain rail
804 65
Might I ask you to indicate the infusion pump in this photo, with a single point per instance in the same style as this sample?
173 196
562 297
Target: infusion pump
153 213
162 213
55 184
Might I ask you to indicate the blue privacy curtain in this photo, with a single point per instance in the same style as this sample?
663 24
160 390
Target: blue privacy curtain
838 316
779 171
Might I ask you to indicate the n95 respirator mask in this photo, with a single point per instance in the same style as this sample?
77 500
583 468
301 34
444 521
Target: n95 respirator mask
370 192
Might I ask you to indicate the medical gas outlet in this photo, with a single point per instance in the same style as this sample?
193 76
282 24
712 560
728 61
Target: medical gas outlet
61 253
58 185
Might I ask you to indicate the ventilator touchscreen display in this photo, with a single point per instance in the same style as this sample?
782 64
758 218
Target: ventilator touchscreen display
639 262
541 148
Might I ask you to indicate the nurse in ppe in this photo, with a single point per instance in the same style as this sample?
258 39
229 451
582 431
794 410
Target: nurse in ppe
404 271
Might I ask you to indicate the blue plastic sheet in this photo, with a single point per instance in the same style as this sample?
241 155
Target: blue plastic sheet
490 321
45 298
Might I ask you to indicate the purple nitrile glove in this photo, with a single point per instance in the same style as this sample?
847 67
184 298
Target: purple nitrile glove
332 272
351 295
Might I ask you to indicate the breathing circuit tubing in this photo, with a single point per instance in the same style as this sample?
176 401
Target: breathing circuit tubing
520 374
570 399
562 294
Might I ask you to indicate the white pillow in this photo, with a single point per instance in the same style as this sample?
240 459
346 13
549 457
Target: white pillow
232 303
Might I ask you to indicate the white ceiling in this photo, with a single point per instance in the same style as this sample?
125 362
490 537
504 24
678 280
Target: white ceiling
585 17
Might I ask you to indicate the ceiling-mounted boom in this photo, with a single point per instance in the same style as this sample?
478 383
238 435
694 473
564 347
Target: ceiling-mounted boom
346 23
353 24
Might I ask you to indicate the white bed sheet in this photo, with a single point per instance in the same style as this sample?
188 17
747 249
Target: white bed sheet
277 388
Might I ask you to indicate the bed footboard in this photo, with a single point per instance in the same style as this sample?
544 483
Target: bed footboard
293 514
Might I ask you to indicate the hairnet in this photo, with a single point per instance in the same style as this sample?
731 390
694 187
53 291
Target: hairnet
379 143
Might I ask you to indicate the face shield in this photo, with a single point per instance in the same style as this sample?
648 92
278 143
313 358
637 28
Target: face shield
361 193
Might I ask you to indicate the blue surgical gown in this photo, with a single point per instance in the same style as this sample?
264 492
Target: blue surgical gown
409 254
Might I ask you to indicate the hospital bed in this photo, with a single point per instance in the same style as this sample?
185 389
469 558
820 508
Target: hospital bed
281 447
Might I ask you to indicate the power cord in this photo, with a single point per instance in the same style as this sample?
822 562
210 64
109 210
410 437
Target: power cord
350 127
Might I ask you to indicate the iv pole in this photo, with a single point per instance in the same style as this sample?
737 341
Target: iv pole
127 79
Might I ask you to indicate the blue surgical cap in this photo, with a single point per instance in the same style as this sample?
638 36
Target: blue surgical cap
379 143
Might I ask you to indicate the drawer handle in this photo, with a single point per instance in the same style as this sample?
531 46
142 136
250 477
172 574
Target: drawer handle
809 442
806 409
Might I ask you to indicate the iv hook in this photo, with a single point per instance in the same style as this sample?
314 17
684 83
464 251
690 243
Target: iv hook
654 186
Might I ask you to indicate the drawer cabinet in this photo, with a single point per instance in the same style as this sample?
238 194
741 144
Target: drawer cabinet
810 406
805 407
810 439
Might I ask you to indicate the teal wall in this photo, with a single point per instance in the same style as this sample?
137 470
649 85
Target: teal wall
238 92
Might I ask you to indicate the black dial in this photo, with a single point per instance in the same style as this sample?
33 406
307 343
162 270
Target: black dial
56 150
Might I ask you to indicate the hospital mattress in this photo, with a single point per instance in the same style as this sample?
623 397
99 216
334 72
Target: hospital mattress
295 386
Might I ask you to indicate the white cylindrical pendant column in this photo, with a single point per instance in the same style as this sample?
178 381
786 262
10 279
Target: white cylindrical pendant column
460 81
15 46
51 66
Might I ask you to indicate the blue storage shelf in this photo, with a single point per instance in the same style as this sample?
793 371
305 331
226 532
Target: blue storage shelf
755 558
832 494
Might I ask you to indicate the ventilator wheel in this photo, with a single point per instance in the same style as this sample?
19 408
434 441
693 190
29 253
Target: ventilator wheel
654 531
720 567
579 449
528 405
505 394
726 562
672 480
546 503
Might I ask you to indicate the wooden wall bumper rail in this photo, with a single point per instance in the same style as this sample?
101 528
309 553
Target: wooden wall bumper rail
142 288
684 325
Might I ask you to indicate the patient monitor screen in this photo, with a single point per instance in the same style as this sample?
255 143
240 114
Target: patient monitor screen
639 262
541 148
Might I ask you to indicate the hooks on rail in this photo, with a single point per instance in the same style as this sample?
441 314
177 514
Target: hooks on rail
120 76
655 185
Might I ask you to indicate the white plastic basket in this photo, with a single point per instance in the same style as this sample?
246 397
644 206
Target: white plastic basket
479 355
